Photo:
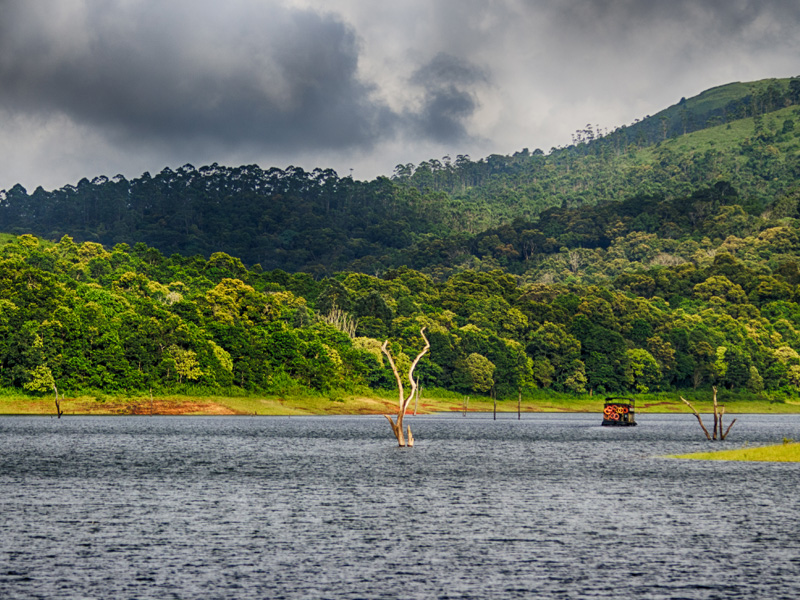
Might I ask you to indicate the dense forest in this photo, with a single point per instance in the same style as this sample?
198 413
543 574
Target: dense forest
132 319
608 266
320 223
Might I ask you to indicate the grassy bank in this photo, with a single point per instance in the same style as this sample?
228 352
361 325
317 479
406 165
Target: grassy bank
348 403
787 452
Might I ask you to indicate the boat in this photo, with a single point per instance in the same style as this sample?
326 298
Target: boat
619 412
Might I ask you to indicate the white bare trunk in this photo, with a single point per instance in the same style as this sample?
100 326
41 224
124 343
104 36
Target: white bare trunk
403 400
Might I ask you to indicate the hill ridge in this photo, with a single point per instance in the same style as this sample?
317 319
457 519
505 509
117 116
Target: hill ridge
319 222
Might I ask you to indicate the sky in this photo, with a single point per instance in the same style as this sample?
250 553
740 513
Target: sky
107 87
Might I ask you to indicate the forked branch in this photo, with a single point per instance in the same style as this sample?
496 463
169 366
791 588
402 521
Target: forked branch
397 428
718 414
699 418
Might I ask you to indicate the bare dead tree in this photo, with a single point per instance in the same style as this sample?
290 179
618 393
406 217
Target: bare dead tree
574 260
341 320
59 412
697 378
397 427
718 413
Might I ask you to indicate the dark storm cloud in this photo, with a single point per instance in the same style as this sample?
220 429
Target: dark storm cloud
108 86
256 73
284 78
448 98
445 69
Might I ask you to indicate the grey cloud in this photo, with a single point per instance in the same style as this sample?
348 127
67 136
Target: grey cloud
182 73
708 19
448 84
445 69
270 76
119 84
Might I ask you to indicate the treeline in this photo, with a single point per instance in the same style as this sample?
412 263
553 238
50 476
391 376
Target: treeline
597 244
290 218
601 267
320 223
91 318
757 155
717 106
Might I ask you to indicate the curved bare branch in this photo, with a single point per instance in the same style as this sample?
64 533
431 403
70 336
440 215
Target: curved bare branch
397 428
385 350
414 366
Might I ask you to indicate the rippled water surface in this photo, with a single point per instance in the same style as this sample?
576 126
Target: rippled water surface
551 506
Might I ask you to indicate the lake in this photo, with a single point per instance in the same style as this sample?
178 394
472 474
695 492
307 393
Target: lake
550 506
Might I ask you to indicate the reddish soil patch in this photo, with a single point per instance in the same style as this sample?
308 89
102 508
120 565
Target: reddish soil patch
160 407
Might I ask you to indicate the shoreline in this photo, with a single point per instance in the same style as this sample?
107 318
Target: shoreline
355 404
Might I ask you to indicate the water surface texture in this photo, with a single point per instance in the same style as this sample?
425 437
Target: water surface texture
552 506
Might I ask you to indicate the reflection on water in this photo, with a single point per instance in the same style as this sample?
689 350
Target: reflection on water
551 506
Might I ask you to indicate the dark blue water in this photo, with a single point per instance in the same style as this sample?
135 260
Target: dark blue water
552 506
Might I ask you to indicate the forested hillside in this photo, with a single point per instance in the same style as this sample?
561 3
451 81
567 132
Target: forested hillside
596 244
130 319
320 223
290 218
617 264
759 156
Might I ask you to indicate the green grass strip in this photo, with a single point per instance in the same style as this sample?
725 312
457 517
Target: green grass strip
779 453
342 402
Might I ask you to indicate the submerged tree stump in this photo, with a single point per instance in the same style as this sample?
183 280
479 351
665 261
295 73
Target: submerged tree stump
59 412
718 413
397 427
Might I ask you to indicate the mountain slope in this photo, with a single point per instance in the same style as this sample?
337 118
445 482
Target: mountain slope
715 106
320 222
